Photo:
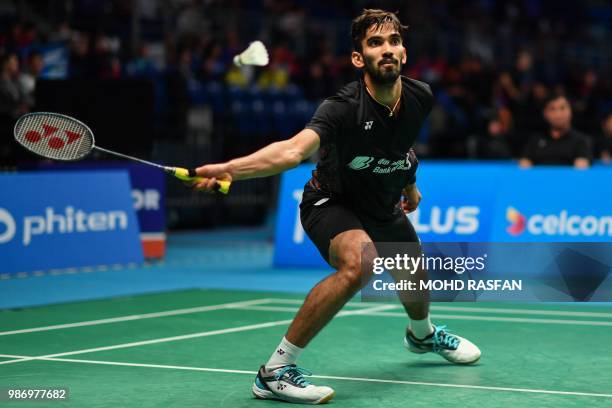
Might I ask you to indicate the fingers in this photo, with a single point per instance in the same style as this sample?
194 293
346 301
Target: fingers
210 170
207 185
409 206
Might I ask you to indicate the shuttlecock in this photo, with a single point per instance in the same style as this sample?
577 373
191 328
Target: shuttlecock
255 54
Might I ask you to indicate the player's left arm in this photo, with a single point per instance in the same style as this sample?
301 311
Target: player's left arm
411 197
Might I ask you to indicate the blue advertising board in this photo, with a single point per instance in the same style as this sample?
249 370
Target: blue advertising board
148 192
292 245
66 220
554 205
483 202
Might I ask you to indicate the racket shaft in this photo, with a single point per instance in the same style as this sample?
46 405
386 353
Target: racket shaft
178 172
125 156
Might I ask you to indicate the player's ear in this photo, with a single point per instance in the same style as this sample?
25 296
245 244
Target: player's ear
404 56
357 59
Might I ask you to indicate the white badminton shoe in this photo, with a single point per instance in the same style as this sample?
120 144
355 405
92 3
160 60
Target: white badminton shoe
454 348
287 383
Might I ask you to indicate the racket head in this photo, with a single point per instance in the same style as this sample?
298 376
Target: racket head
54 136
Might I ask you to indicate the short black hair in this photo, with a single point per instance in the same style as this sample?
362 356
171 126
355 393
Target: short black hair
553 96
373 18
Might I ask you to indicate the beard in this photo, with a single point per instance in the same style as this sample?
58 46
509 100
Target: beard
381 75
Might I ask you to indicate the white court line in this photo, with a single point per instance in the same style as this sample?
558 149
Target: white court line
328 377
366 312
498 319
521 311
543 312
192 335
269 308
200 309
159 340
117 319
300 301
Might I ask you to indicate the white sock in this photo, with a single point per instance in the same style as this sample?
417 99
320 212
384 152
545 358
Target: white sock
421 328
286 353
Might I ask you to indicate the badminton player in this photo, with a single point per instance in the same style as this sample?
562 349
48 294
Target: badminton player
359 193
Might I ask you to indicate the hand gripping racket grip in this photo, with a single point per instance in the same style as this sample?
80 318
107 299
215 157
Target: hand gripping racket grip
190 175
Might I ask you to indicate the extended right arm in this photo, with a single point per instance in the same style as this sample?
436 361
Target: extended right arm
272 159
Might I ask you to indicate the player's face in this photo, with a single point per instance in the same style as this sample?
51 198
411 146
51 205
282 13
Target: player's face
558 113
383 54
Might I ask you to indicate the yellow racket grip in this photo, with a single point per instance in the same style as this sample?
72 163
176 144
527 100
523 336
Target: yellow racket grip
180 173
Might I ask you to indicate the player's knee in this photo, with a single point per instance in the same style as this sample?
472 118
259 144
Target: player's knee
352 280
368 255
356 268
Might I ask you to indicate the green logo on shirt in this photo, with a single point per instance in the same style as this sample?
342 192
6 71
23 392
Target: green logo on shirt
360 162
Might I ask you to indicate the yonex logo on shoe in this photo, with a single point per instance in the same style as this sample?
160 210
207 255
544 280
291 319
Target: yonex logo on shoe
280 351
281 386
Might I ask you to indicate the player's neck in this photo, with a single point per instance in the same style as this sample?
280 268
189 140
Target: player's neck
385 94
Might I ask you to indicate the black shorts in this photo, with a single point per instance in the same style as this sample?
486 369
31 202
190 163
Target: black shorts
323 218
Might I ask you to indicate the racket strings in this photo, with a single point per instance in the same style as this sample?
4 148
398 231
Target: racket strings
54 136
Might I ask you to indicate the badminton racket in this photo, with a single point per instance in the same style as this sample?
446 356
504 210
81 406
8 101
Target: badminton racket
60 137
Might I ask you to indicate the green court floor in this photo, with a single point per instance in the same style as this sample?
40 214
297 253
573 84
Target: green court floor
201 348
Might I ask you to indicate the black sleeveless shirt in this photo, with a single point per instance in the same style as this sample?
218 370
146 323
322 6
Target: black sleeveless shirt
366 157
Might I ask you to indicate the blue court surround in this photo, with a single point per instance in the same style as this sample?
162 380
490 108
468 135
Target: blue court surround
228 259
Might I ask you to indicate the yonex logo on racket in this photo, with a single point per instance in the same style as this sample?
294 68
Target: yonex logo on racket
54 141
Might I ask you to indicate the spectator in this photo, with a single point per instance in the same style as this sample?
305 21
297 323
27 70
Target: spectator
276 74
605 143
12 97
561 144
62 33
528 117
142 65
103 63
35 65
80 63
495 143
12 105
529 50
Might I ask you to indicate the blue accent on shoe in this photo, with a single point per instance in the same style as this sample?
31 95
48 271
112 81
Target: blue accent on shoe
443 340
259 384
295 374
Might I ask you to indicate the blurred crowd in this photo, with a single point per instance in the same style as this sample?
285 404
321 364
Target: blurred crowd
491 65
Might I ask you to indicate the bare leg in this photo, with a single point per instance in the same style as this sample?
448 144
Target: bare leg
416 303
329 295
